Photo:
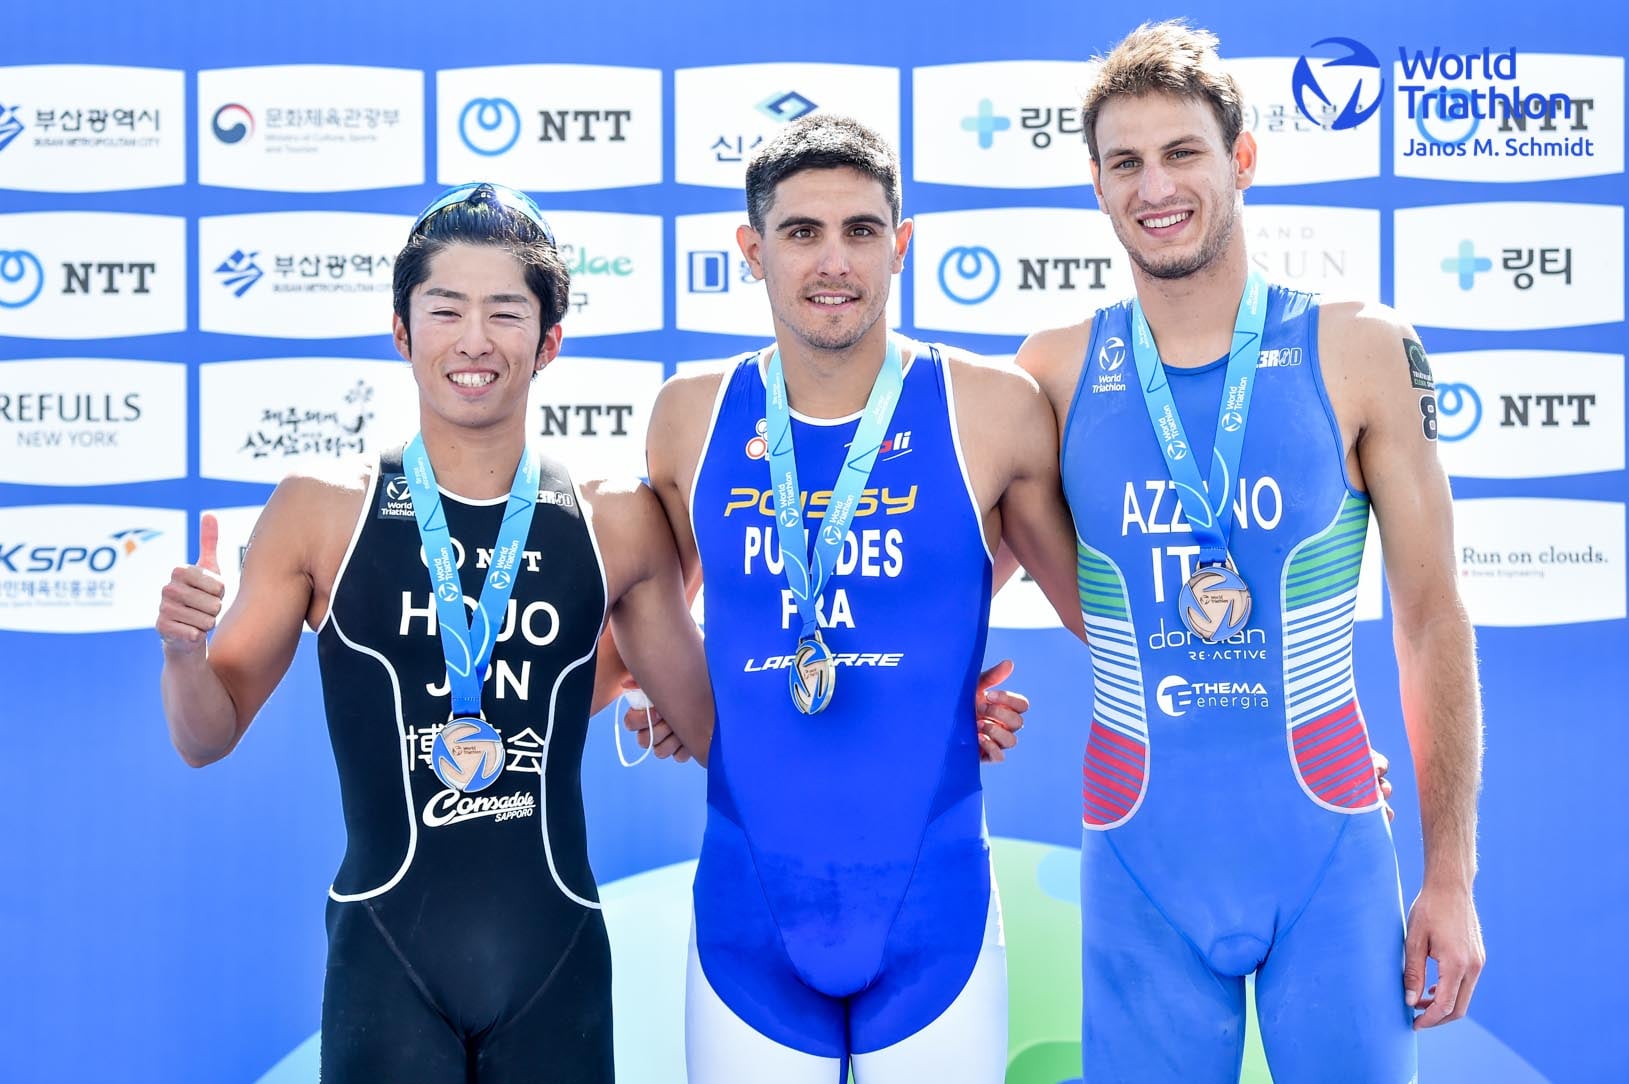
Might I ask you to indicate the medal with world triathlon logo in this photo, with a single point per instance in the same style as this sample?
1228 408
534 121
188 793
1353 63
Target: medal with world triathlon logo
1215 602
467 754
812 676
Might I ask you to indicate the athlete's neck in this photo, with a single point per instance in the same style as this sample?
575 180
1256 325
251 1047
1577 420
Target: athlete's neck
1192 317
478 463
831 383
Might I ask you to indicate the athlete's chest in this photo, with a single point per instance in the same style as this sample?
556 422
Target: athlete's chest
867 548
1269 467
550 593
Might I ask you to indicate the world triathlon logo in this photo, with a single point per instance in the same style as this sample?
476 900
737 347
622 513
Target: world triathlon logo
489 126
1112 355
813 676
232 123
21 278
969 274
11 126
1214 603
467 755
1360 104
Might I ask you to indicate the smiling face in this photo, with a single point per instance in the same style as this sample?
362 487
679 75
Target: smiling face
827 256
1169 183
475 338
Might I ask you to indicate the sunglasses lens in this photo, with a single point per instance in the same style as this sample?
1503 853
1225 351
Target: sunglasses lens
502 194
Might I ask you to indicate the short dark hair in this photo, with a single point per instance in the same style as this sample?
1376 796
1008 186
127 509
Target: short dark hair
1166 58
820 141
482 219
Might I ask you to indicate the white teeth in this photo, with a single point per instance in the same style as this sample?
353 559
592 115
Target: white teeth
825 300
1165 220
472 380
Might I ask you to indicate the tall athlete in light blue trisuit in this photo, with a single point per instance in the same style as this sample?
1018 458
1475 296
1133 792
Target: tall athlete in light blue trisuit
844 908
1251 752
1232 822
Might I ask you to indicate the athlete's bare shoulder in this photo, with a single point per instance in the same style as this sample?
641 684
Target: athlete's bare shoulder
1053 358
1055 346
1006 428
678 428
616 503
307 523
328 497
1360 344
995 388
1340 320
685 402
631 528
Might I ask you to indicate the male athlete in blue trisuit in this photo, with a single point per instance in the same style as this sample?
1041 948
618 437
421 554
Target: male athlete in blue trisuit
465 937
1224 438
843 491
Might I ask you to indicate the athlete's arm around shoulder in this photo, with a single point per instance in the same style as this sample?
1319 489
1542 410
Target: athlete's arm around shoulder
650 617
1380 383
1010 443
213 685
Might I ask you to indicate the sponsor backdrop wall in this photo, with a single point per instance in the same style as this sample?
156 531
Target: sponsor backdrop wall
199 210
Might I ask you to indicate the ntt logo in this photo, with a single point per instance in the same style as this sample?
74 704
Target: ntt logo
969 274
21 278
1459 410
489 126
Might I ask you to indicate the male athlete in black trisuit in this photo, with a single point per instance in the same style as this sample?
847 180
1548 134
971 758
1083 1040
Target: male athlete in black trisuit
465 937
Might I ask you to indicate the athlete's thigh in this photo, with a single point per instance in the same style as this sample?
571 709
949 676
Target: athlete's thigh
561 1033
1152 1009
377 1020
742 986
722 1048
967 1042
1330 994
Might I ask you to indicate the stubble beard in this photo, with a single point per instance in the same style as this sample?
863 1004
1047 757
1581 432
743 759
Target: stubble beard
825 337
1179 266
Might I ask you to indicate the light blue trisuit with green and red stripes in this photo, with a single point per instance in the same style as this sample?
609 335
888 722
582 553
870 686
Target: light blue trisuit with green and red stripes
1232 822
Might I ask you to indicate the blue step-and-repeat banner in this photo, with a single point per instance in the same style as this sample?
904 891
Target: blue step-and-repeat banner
200 207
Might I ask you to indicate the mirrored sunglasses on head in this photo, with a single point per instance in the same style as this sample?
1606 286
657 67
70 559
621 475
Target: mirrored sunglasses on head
488 192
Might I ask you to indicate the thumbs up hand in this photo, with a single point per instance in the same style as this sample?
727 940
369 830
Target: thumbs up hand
191 601
209 537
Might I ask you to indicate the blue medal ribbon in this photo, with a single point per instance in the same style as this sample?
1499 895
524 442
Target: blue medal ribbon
1209 510
467 641
807 568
